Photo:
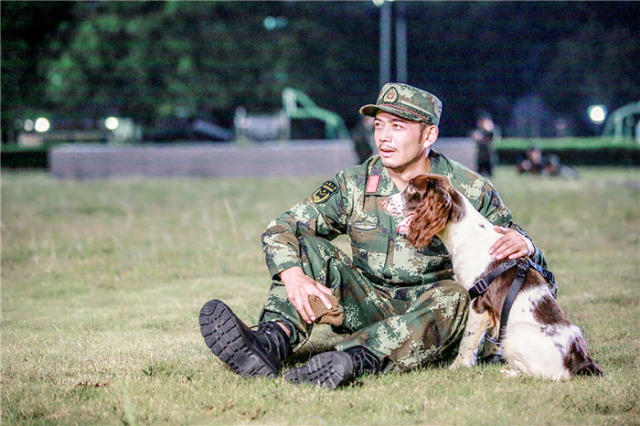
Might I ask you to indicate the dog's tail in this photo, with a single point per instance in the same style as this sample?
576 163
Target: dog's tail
578 361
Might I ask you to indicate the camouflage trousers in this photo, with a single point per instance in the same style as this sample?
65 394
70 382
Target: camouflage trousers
408 326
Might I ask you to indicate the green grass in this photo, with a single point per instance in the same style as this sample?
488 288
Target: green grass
102 282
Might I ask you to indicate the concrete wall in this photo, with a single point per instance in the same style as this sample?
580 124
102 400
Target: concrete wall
90 161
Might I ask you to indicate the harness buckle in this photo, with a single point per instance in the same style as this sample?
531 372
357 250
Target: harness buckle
479 288
522 270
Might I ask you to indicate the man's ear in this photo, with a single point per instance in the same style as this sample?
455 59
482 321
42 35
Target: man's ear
429 136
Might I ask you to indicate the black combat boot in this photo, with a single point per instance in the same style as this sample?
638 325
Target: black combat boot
247 352
335 368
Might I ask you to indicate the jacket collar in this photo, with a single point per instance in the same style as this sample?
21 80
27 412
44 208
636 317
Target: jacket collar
385 186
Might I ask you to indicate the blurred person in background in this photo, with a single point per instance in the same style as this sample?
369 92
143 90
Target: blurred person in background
482 135
536 163
362 137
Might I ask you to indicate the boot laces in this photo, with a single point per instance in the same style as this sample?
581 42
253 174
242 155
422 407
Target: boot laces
364 362
274 339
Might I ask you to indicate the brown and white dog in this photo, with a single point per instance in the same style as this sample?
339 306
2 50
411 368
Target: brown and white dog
539 340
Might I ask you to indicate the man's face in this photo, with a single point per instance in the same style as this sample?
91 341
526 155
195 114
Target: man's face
400 142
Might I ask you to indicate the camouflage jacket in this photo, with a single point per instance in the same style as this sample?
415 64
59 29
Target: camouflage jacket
350 204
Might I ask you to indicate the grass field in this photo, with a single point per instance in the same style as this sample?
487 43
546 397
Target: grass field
102 282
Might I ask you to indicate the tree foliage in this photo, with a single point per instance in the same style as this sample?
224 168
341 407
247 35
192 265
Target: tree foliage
26 41
189 58
148 60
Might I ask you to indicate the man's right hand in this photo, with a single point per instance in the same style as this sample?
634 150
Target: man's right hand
299 288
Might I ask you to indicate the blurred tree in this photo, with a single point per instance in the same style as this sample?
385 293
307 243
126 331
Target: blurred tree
487 55
587 70
186 58
178 59
25 43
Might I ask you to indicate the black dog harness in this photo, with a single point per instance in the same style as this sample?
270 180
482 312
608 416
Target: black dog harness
481 285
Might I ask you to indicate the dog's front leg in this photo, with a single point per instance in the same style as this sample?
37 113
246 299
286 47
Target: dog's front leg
477 325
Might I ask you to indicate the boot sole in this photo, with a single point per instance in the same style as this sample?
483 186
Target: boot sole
229 340
328 369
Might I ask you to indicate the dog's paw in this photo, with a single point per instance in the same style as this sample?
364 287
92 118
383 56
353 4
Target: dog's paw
461 362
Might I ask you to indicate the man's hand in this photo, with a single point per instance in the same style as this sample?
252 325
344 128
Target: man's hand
299 287
511 245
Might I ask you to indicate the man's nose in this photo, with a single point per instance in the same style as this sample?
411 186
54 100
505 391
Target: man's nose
382 135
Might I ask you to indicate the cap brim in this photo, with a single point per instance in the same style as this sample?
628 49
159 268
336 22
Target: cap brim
371 110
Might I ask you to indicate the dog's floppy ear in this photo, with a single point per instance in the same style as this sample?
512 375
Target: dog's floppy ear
432 214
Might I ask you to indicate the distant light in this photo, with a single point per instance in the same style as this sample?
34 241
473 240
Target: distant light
271 22
28 125
111 123
379 3
597 113
42 125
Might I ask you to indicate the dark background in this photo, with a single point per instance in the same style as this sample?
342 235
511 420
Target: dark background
159 61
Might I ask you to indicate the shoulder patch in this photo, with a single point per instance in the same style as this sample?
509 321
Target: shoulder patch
325 191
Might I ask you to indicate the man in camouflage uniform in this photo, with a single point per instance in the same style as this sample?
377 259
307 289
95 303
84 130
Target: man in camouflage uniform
399 305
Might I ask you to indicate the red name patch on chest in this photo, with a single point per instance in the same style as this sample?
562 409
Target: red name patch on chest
372 184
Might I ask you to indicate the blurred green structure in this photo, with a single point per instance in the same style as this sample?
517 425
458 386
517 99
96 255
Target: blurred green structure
298 105
621 123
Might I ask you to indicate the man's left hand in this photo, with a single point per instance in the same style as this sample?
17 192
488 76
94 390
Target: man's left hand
511 245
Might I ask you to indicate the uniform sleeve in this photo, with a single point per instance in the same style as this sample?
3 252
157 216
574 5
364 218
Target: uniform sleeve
491 206
322 214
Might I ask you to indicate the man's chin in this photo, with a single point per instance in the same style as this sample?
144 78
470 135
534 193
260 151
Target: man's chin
389 163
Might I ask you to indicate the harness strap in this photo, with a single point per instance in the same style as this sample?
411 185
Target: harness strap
547 274
482 284
516 285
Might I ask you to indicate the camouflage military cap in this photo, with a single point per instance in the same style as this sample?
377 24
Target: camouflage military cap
407 102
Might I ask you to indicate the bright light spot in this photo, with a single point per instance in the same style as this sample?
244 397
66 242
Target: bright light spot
28 125
111 123
270 23
42 125
597 113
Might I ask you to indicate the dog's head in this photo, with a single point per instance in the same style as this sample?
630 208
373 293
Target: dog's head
427 204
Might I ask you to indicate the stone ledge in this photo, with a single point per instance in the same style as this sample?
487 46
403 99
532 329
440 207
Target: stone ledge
298 158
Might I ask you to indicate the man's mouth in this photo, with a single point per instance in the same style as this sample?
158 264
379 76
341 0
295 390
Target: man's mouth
386 151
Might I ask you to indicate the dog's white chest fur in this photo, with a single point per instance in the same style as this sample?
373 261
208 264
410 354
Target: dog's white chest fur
468 242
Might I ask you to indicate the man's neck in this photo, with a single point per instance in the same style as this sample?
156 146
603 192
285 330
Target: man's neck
401 177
